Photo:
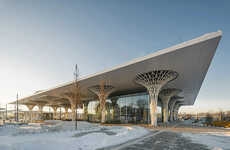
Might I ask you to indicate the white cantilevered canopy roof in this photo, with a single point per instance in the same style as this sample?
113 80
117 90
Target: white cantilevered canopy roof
189 59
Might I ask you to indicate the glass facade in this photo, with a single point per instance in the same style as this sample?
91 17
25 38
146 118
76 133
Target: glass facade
123 109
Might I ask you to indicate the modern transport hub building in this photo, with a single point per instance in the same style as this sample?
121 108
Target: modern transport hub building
170 78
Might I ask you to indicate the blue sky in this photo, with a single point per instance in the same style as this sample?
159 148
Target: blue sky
40 41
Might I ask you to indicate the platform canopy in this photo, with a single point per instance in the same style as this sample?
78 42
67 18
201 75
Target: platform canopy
190 59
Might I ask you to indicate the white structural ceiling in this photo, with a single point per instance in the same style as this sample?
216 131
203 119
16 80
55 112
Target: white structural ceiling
190 60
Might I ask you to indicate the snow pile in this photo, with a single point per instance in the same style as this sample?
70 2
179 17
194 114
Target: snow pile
48 126
81 125
215 141
88 137
99 140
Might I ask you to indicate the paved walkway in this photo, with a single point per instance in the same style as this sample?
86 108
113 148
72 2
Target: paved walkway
159 140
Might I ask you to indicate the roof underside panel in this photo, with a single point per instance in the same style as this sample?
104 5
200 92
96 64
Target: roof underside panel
190 60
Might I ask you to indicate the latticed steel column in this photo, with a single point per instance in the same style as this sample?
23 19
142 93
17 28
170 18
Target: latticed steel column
40 109
153 81
54 111
175 112
71 97
30 107
173 101
85 108
165 96
107 90
66 112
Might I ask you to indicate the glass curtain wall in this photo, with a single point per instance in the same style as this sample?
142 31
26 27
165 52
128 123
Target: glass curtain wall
123 109
134 108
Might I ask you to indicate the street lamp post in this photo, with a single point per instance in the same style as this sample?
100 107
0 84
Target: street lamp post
17 109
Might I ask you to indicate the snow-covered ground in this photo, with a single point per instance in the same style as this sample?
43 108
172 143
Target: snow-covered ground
61 135
214 140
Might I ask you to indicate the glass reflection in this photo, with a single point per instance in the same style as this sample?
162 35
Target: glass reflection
123 109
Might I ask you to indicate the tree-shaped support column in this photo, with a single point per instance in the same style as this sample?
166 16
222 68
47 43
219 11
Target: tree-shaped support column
176 109
54 111
165 96
102 91
71 97
66 112
30 107
85 109
40 109
172 103
153 81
